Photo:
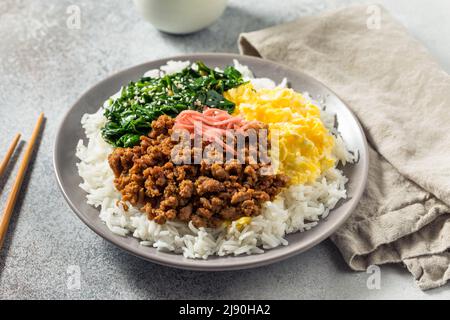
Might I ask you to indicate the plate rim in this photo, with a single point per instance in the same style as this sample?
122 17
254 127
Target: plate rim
192 264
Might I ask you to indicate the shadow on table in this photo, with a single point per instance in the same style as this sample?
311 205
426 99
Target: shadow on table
4 251
149 279
223 34
331 278
10 167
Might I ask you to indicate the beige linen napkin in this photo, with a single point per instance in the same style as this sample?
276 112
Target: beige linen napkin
402 98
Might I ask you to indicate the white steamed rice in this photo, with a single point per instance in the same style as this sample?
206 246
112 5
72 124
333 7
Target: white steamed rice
298 208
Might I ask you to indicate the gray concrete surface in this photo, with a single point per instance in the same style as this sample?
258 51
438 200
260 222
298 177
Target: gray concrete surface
45 66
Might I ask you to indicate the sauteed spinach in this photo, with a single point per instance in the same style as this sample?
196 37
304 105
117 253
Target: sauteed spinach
130 115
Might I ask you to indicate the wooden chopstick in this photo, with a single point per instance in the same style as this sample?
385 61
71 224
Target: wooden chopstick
9 153
12 198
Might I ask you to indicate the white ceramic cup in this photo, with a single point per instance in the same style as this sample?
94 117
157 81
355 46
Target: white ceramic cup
181 16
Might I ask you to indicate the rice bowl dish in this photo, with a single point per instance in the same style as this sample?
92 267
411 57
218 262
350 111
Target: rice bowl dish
297 207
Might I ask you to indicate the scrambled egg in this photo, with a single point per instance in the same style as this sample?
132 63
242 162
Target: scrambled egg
304 143
240 223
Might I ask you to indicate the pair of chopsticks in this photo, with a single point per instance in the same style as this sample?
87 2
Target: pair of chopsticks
12 198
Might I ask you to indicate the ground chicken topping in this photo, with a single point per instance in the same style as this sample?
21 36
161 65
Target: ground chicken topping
206 194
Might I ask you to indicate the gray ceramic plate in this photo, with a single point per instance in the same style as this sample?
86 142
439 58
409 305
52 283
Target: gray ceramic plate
70 132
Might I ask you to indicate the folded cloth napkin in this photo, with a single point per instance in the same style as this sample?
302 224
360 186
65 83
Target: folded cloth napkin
402 98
